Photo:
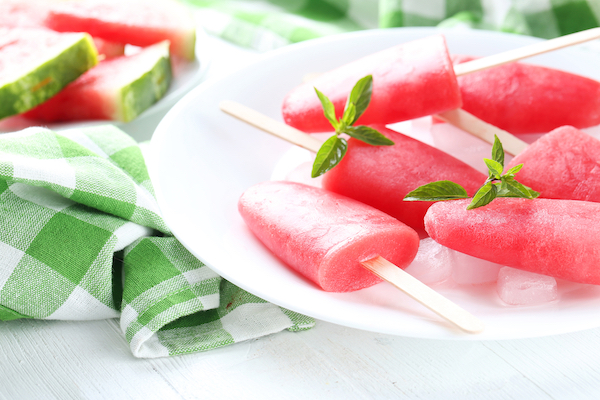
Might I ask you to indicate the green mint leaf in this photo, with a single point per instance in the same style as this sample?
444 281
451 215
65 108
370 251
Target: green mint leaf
368 135
495 168
349 115
329 155
484 195
514 170
437 191
360 96
328 109
512 188
498 151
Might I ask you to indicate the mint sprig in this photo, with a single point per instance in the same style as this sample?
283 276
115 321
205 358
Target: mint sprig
333 149
496 185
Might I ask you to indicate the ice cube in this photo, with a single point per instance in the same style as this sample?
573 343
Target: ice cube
432 264
523 288
467 269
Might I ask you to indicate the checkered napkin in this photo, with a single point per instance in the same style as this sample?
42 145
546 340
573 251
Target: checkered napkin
268 24
81 238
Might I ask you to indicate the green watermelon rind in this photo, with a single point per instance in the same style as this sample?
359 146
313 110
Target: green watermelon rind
49 77
141 93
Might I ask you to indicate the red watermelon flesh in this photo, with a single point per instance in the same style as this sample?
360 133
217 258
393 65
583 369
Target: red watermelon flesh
324 236
137 23
524 98
116 89
562 164
411 80
382 175
559 238
108 49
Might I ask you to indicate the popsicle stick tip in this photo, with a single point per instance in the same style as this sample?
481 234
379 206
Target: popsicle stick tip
424 294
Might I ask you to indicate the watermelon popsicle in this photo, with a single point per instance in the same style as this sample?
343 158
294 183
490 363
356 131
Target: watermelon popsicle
329 238
561 164
525 98
411 80
552 237
377 175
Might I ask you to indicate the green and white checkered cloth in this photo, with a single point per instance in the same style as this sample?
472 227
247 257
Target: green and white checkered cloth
81 238
268 24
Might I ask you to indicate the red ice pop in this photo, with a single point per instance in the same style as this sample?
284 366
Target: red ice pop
324 236
410 80
562 164
382 175
558 238
525 98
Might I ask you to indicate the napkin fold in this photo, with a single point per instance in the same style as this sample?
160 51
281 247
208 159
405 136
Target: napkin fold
81 238
268 24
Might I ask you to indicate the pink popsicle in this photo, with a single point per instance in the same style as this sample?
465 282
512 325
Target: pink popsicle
525 98
411 80
324 236
562 164
382 175
558 238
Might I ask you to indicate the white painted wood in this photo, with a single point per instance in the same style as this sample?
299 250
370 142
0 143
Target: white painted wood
91 360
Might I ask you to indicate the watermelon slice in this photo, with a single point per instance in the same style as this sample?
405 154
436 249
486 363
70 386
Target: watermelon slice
136 23
35 64
116 89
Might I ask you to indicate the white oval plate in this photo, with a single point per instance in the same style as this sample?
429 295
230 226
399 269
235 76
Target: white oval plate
202 160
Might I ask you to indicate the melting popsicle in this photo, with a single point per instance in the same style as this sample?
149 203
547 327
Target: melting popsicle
323 235
411 80
382 175
402 75
335 241
562 164
551 237
525 98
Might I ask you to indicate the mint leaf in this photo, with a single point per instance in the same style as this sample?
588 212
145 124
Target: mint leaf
328 109
498 151
334 148
514 170
368 135
494 167
437 191
329 155
484 196
360 96
349 115
512 188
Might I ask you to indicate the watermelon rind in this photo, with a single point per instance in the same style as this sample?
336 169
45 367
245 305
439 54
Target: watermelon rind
149 87
55 68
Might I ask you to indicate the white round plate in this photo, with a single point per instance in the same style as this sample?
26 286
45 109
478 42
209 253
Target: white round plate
186 76
202 160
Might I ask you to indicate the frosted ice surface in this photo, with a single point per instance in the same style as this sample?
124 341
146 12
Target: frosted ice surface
516 287
471 270
432 264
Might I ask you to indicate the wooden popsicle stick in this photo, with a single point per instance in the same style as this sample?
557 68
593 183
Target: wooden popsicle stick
378 265
423 294
526 51
477 127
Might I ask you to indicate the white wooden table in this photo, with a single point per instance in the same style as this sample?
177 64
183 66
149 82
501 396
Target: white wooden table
92 360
